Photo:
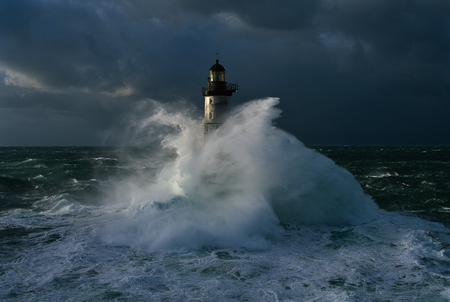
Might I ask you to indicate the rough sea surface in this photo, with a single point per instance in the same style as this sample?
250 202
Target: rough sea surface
252 215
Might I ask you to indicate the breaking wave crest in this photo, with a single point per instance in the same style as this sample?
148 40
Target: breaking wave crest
234 189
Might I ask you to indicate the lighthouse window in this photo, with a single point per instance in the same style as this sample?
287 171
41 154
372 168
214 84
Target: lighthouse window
211 115
217 76
210 100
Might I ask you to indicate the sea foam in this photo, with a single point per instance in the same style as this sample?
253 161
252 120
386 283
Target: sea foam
235 188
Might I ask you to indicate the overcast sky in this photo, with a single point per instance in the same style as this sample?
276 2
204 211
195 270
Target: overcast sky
346 71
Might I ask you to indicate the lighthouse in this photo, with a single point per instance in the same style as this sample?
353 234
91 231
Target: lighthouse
217 95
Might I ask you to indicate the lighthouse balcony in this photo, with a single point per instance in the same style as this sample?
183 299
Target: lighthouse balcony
219 88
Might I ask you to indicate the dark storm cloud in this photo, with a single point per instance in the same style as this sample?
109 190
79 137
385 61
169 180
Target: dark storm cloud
89 45
62 44
280 15
347 71
410 35
404 44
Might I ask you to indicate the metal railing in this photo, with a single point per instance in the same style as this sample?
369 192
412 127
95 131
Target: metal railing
219 87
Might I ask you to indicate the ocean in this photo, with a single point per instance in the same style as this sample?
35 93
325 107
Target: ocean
250 215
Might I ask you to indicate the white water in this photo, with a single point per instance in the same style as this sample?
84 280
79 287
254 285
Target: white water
236 188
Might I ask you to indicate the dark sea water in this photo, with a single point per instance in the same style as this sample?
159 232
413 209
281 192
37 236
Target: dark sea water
250 215
411 180
55 202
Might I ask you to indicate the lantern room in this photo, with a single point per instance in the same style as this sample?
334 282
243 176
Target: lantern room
217 73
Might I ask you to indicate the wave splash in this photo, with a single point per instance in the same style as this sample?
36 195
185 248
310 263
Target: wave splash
234 189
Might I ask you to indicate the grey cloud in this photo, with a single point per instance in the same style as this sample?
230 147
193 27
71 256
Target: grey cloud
92 46
62 44
280 15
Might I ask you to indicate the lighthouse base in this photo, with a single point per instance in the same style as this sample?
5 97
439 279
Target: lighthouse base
210 128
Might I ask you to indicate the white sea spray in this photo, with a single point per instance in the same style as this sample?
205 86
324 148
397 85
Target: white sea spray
235 188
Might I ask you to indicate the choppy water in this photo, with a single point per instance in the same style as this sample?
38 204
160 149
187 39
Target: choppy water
251 216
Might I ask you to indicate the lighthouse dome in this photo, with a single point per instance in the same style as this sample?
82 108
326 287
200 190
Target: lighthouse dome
217 67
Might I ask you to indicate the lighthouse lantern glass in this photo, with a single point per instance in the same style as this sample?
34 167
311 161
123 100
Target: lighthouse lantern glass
216 76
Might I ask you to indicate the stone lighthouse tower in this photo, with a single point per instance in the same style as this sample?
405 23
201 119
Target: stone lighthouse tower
217 95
